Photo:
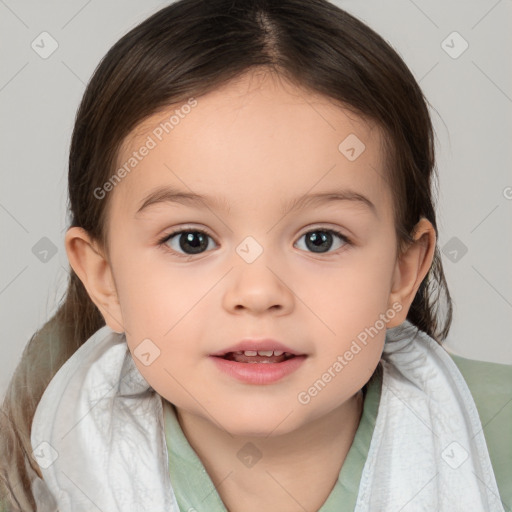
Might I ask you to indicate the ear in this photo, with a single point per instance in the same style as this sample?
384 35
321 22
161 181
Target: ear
411 268
93 269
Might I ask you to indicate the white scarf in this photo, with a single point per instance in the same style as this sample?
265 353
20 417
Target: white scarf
98 435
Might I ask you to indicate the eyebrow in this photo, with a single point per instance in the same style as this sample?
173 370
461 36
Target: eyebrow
166 194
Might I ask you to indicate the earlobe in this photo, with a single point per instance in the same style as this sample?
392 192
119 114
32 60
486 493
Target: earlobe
412 266
94 271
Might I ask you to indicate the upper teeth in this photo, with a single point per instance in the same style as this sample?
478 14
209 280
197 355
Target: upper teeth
267 353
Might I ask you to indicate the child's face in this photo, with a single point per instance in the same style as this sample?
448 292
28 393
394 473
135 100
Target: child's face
254 147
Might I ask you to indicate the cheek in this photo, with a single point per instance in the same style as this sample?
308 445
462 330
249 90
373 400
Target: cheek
163 378
161 305
166 346
354 293
154 295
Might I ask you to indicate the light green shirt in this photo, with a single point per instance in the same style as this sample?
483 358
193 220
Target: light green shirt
489 383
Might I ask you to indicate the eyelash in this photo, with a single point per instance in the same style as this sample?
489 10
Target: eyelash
163 241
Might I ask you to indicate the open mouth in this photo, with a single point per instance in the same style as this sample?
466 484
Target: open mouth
258 367
260 356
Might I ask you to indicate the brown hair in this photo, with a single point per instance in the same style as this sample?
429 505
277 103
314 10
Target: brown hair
187 49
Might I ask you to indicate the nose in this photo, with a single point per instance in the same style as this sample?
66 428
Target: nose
257 288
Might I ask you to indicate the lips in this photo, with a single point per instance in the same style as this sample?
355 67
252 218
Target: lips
259 356
251 350
258 362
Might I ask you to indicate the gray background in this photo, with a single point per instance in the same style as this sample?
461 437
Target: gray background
471 95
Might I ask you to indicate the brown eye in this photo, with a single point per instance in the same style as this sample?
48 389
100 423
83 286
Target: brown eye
321 240
190 242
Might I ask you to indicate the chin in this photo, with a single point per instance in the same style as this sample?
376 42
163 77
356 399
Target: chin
261 423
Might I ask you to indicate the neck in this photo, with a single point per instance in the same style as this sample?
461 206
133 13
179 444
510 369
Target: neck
292 471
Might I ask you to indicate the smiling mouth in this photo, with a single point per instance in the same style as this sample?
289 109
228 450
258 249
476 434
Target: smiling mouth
261 356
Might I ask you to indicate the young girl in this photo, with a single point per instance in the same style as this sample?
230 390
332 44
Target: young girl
257 300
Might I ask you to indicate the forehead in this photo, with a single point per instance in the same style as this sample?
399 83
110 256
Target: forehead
256 138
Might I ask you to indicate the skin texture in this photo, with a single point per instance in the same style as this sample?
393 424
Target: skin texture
256 144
